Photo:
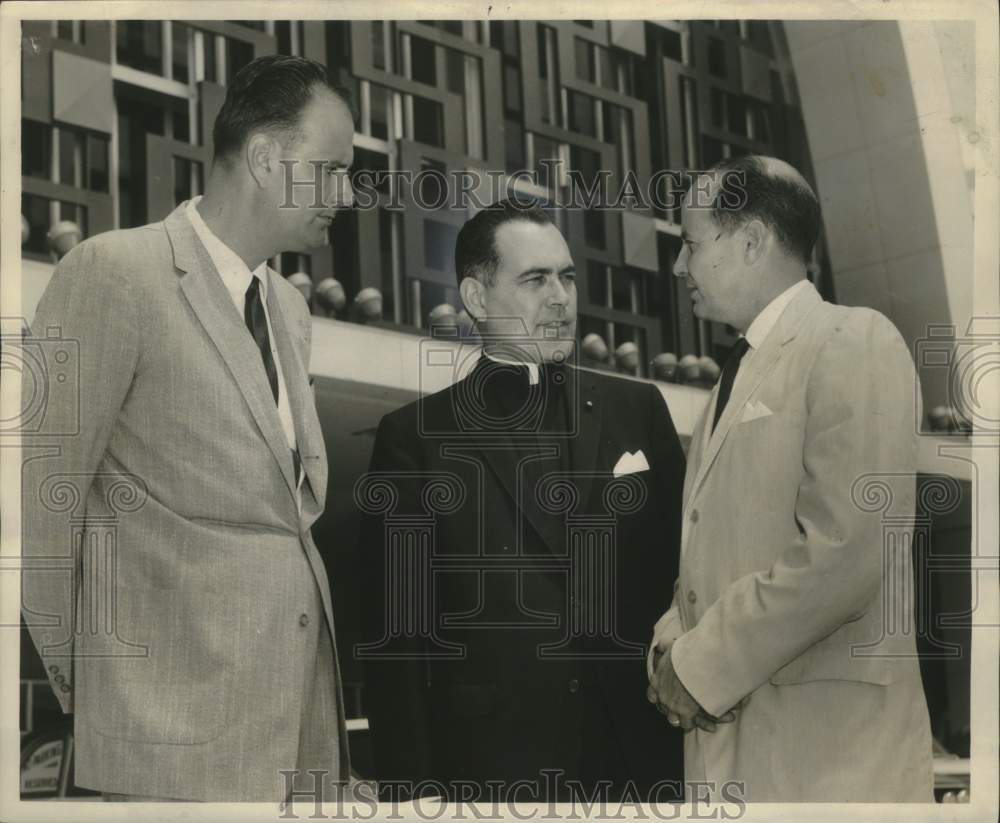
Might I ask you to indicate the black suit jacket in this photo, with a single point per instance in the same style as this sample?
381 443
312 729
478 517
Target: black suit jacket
510 593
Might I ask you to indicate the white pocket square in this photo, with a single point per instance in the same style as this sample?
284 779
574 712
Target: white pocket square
754 410
630 463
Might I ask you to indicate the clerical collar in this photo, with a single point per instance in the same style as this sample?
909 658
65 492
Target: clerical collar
507 361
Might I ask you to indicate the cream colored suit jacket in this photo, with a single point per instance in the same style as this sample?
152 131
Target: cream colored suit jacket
201 662
794 600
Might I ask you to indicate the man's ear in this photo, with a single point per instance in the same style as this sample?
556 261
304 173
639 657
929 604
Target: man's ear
473 295
260 157
756 235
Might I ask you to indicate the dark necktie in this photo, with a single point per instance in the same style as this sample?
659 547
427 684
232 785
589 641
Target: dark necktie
728 377
256 320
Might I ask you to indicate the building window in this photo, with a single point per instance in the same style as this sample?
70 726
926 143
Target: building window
716 57
376 111
69 30
548 69
439 244
597 285
617 130
585 161
423 64
187 179
626 291
512 89
593 228
36 149
393 293
504 36
582 116
288 34
738 115
139 44
378 44
670 41
373 165
138 115
180 41
544 148
82 155
427 124
760 36
514 154
211 64
238 54
585 68
712 151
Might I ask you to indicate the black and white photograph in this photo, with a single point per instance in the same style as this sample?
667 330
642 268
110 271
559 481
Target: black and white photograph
471 411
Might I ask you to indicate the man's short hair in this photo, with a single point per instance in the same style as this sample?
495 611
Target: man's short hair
786 205
475 250
269 93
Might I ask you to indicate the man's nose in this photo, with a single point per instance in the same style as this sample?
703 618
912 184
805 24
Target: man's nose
680 264
342 196
558 293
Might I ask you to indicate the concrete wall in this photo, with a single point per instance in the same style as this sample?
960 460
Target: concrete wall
889 115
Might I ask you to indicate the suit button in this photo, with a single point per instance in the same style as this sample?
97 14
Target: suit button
53 669
60 679
303 619
65 687
692 598
574 686
694 515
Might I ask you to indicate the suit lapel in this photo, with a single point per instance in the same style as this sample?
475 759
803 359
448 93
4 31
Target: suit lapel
204 290
760 366
296 375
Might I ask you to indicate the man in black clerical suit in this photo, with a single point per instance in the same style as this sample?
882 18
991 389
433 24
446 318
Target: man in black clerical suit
520 536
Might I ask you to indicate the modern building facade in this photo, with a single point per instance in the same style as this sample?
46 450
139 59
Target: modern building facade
117 119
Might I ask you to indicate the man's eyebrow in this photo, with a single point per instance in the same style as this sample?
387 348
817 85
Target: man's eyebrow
571 269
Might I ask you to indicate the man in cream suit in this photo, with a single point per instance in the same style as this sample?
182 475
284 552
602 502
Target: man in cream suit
175 523
791 606
554 494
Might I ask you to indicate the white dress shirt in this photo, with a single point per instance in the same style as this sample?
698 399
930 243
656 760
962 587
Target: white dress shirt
760 328
236 277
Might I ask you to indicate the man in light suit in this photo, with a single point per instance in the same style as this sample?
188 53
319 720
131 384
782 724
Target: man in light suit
175 522
792 603
554 494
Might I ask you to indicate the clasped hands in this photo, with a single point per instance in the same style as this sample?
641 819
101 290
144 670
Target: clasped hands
672 699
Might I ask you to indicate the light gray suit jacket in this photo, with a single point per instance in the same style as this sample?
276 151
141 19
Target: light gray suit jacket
795 586
201 661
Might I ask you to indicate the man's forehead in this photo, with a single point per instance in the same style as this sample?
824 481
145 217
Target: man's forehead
522 245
